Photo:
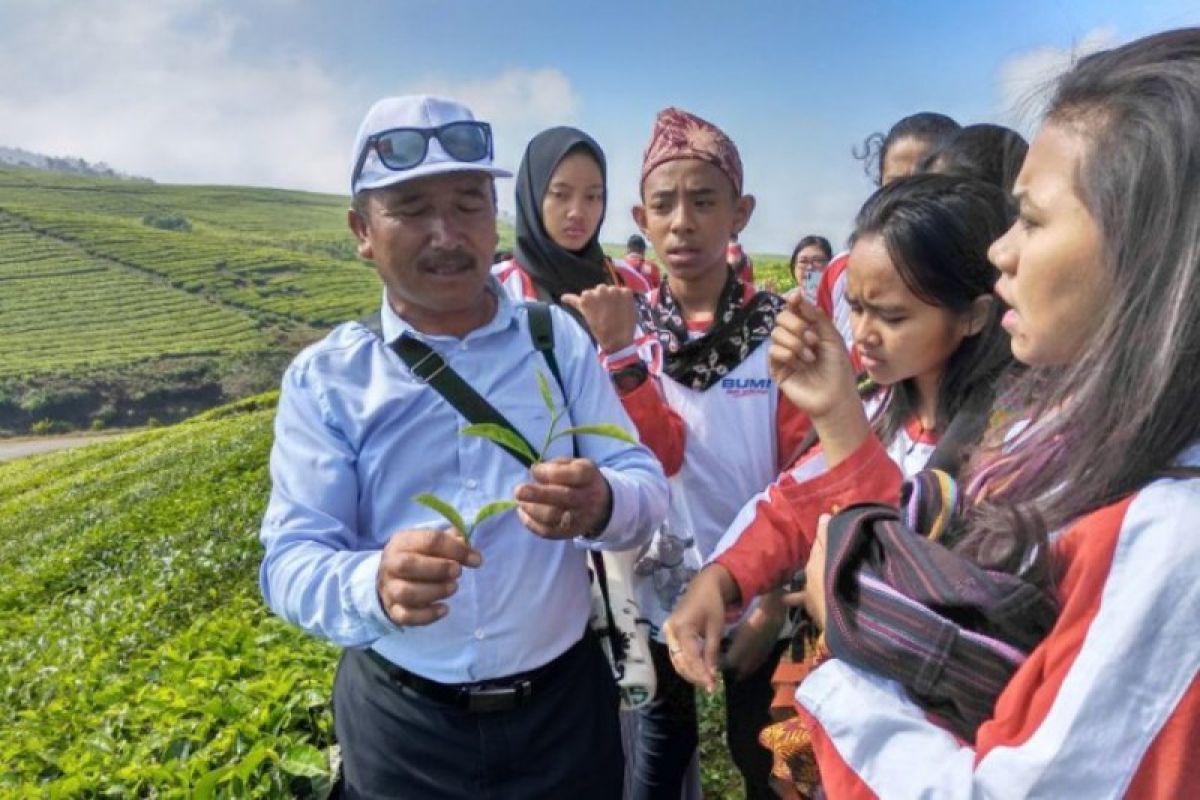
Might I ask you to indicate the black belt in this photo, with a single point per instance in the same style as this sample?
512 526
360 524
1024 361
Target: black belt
499 694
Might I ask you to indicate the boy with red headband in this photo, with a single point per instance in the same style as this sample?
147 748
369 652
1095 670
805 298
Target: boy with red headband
737 431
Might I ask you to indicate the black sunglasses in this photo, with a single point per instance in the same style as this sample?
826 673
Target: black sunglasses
404 148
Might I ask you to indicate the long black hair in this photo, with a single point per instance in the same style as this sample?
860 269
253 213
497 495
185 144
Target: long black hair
992 153
937 230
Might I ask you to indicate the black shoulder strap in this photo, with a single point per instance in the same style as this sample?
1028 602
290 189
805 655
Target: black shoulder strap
541 330
429 367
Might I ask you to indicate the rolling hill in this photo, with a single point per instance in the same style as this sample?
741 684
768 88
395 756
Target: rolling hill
124 300
127 302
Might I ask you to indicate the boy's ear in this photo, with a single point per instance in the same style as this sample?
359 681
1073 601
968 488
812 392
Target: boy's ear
639 217
977 315
743 208
358 226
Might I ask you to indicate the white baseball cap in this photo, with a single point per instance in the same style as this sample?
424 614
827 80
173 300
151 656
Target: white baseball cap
428 114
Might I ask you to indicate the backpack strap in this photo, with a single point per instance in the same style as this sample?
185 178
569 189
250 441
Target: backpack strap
430 368
541 330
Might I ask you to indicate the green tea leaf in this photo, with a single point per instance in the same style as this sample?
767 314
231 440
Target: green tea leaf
492 509
502 436
603 429
304 760
544 389
246 768
445 509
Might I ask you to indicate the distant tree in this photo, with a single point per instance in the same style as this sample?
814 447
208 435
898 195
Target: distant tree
167 222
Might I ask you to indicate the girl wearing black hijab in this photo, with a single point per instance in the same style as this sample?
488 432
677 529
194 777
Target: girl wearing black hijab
561 189
560 207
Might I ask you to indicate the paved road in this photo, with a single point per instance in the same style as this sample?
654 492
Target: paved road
19 448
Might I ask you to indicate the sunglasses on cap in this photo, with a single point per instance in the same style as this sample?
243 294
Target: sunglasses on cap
399 149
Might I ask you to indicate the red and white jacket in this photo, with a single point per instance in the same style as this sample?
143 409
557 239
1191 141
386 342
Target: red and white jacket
718 449
734 439
831 297
1108 705
910 450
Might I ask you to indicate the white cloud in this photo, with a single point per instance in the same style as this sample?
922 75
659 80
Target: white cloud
1025 80
162 90
156 89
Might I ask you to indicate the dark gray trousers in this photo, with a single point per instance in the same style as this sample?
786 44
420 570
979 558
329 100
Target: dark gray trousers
564 742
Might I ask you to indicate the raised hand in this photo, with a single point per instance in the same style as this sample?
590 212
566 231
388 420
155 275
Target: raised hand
808 359
610 313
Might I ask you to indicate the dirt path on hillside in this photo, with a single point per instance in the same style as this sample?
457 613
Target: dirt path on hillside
32 445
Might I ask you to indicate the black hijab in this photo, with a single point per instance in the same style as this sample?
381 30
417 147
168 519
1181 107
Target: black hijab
554 269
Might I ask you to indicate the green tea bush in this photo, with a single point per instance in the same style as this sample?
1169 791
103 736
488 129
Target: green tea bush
167 222
136 657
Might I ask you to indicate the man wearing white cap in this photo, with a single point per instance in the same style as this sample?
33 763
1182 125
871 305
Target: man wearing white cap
468 669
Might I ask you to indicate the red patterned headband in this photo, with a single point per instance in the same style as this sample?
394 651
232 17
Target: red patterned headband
678 134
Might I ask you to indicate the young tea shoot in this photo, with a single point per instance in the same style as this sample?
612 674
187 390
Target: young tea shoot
515 443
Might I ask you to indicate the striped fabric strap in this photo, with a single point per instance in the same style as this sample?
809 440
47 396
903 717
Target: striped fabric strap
910 609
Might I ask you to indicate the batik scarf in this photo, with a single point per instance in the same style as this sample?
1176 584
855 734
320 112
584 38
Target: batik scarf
739 326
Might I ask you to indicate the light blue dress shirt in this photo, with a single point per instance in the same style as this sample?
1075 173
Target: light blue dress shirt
357 437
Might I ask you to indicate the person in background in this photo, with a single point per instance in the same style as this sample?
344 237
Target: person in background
468 667
885 158
562 186
635 257
735 435
739 261
810 257
991 153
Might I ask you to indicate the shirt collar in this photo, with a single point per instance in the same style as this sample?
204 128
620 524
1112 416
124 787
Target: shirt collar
394 326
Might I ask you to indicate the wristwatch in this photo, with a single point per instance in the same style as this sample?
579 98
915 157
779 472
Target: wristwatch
626 379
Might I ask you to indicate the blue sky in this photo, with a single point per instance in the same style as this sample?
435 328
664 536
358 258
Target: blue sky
269 92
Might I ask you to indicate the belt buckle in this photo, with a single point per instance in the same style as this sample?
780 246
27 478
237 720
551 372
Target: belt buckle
501 698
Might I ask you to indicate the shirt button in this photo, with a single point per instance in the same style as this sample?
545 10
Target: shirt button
472 483
479 633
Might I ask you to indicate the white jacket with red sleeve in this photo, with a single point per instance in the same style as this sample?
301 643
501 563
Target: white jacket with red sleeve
1108 705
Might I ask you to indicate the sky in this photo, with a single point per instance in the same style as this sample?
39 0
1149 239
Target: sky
270 92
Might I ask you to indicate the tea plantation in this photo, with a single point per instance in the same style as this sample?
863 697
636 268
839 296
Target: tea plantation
136 658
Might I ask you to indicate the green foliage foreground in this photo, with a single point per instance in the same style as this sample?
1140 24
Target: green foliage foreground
136 656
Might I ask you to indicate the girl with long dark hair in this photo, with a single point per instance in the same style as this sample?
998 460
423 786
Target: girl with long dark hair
1090 494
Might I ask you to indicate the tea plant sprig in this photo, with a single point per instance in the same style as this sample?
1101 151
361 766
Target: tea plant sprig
455 518
504 437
